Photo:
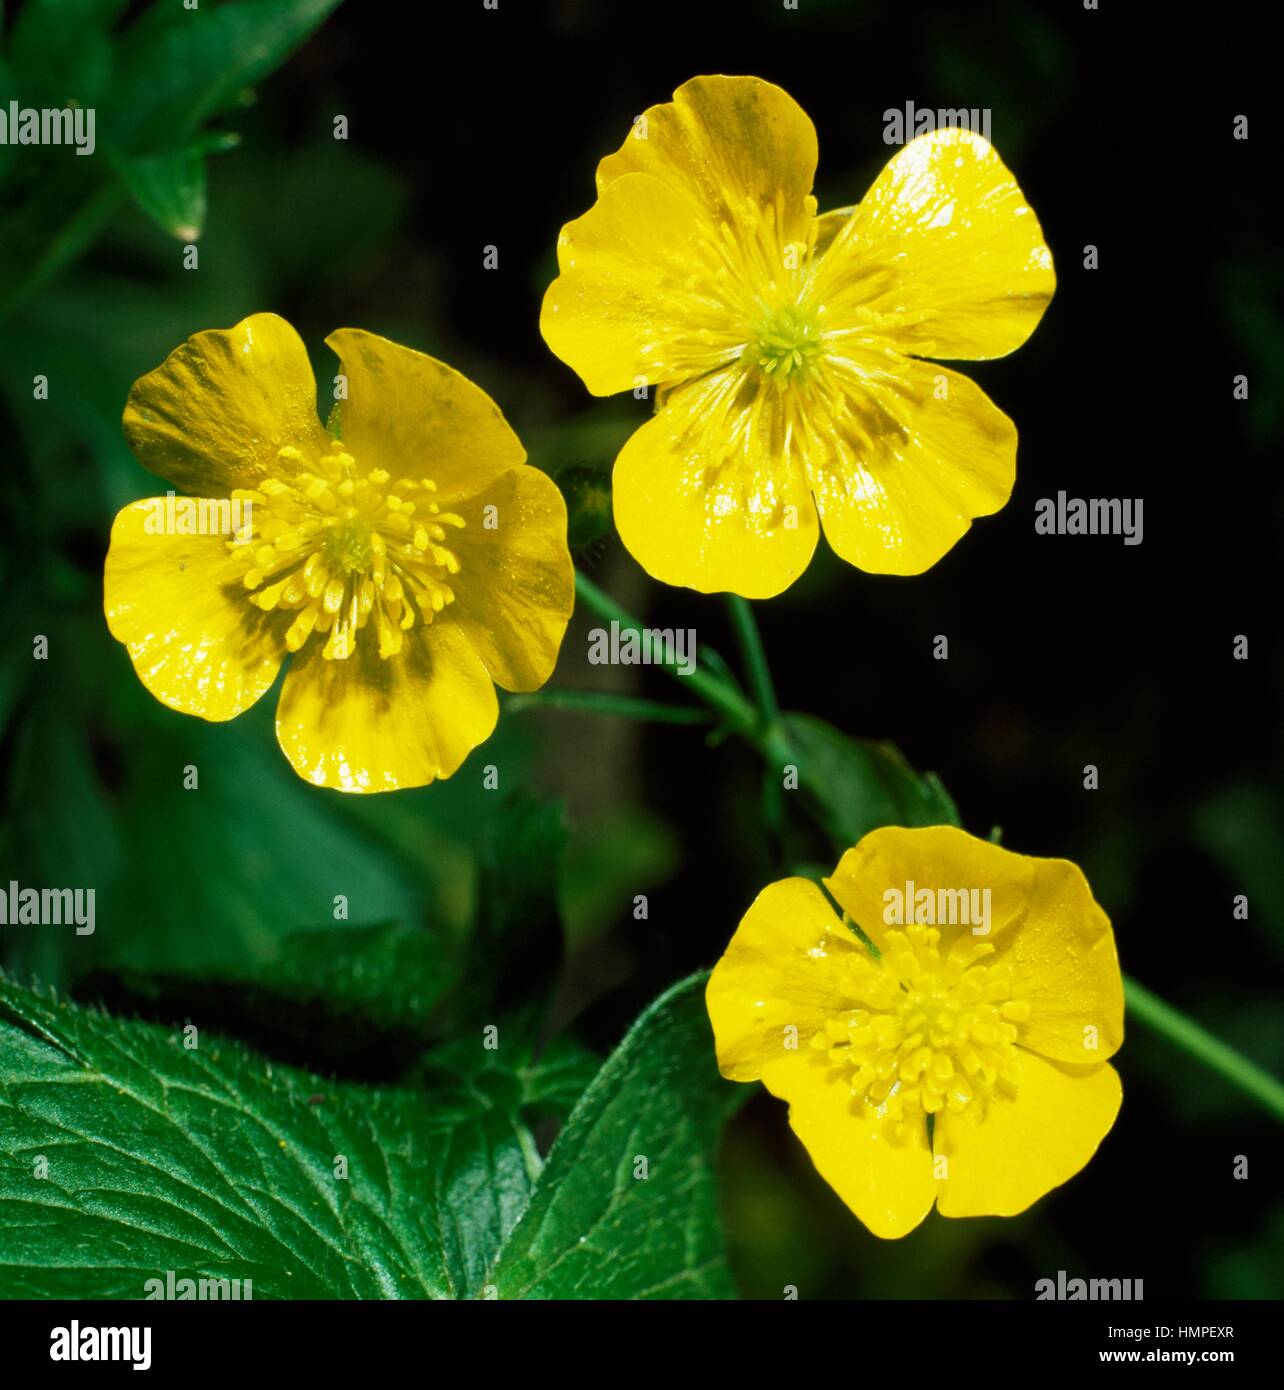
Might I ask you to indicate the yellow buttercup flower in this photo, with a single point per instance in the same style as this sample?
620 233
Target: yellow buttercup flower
405 554
962 1061
787 346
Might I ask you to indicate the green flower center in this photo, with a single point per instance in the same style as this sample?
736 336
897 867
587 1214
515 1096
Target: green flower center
786 345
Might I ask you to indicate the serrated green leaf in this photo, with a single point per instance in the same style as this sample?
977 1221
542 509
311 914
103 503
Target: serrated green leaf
595 1227
214 1163
339 995
170 189
857 785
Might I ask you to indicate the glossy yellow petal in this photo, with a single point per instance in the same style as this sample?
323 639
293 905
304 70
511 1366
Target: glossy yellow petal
884 1174
1022 1148
915 453
639 299
663 278
516 584
872 880
1045 927
727 144
707 495
369 725
179 605
945 249
214 414
779 978
1063 952
417 417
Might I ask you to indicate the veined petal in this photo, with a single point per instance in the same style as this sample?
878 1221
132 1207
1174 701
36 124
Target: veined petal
369 725
640 299
781 971
214 414
419 418
1063 952
932 858
703 215
710 494
885 1177
1019 1149
1044 925
916 452
516 584
179 605
945 245
723 143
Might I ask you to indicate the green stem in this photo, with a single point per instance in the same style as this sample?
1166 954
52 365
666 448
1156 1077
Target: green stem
1232 1066
721 697
606 702
778 751
1170 1023
751 648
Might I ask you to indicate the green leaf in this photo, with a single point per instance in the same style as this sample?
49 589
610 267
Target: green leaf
214 1163
182 66
857 785
120 1143
338 995
595 1228
170 189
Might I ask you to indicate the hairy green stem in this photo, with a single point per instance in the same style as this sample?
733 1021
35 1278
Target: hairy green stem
744 719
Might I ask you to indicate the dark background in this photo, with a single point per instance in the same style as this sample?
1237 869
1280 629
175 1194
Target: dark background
471 128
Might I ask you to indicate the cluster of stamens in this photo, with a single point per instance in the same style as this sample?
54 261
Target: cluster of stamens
344 549
926 1032
786 345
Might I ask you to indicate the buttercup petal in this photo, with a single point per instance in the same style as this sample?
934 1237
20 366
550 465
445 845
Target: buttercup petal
1063 952
933 858
653 288
726 144
179 605
369 725
946 247
214 414
916 453
705 495
623 312
1020 1149
417 417
516 583
884 1174
780 971
1044 924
